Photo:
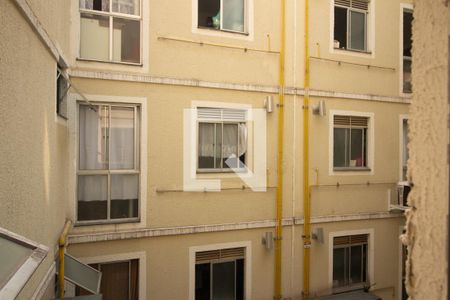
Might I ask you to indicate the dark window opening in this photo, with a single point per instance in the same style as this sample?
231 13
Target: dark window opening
62 87
207 9
340 27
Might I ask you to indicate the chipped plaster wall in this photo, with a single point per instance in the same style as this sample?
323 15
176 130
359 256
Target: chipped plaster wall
428 169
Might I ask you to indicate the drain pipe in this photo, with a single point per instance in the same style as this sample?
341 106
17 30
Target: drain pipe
279 195
62 246
306 192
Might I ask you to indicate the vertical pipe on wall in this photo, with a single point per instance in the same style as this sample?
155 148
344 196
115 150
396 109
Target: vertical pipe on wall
306 192
279 195
62 246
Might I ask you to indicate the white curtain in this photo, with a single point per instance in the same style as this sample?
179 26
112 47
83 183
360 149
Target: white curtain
121 153
230 140
92 138
94 154
233 15
130 7
206 140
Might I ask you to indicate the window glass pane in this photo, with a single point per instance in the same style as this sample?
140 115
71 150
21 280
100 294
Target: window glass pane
101 5
405 152
206 10
356 264
205 145
339 267
202 281
218 148
230 142
115 281
223 281
357 158
240 279
407 82
94 37
407 33
93 137
124 196
13 255
130 7
357 30
122 141
233 15
92 197
340 27
126 40
339 147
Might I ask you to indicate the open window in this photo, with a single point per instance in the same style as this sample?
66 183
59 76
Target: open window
111 30
350 24
407 16
120 280
222 139
226 15
62 87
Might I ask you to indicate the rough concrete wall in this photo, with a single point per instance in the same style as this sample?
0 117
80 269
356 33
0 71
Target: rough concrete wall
428 170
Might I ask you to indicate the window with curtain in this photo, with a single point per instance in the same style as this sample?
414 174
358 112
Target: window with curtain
350 24
350 262
350 142
110 30
227 15
222 139
120 280
220 274
108 164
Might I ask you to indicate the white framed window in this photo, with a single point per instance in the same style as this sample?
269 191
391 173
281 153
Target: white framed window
111 31
223 15
221 271
351 259
351 142
351 25
406 19
404 152
222 139
19 259
109 168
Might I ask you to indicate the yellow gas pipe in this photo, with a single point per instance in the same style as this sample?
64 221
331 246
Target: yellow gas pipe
279 196
62 245
306 192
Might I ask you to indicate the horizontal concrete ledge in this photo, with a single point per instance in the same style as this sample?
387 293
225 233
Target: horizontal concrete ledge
103 75
182 230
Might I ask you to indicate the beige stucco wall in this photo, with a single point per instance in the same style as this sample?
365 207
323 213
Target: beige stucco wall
167 259
203 62
33 160
427 223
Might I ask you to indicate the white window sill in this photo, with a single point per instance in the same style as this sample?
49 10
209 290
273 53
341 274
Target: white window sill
353 51
223 30
106 222
109 62
351 169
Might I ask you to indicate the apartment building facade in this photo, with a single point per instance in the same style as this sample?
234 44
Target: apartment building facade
168 100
